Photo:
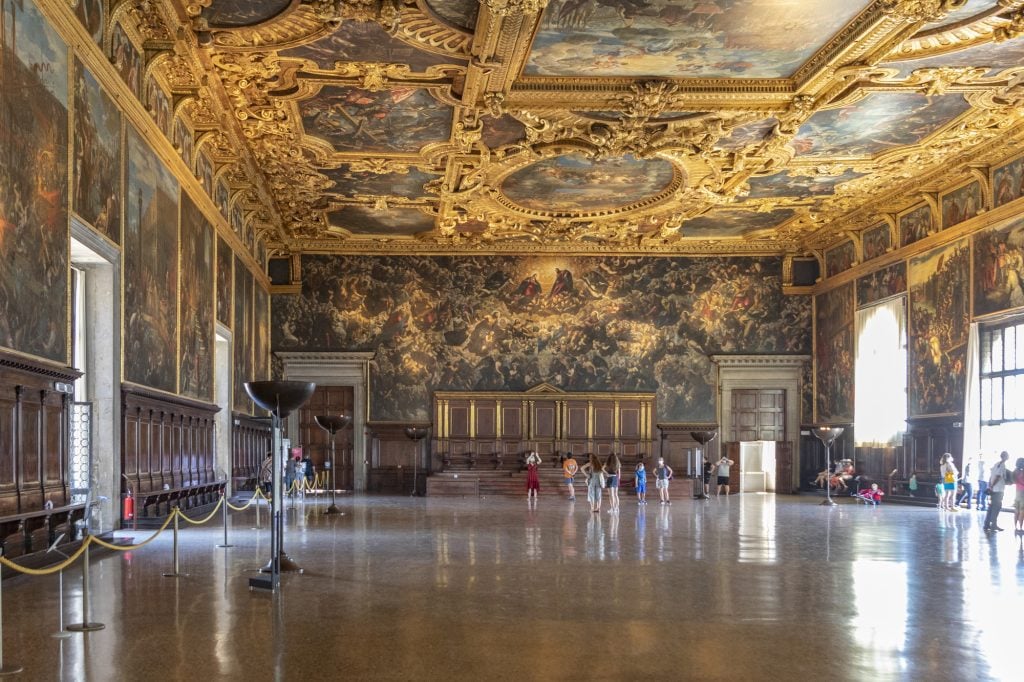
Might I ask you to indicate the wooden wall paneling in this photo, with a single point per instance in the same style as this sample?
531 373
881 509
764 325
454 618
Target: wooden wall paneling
31 451
55 439
250 440
8 468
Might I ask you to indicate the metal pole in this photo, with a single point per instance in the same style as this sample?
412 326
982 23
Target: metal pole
85 625
224 515
176 573
7 669
333 509
60 634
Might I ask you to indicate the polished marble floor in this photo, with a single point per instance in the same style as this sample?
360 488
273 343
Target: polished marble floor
746 587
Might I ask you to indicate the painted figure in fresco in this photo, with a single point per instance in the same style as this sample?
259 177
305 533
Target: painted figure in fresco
529 289
563 285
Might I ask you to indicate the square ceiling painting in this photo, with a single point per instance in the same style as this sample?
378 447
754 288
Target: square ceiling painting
393 222
349 183
357 120
724 223
684 38
784 185
877 123
355 41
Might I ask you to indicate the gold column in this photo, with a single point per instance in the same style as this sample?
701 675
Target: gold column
472 419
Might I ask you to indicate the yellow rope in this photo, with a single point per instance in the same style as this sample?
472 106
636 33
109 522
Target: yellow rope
178 511
244 506
52 569
128 548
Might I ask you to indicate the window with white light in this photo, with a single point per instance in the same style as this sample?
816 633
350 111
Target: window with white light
880 391
1002 373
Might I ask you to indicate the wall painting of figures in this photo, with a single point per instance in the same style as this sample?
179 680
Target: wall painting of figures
127 60
395 120
840 259
961 204
881 284
807 393
93 15
879 122
196 347
150 269
509 323
834 353
242 336
1008 182
916 224
225 278
349 183
159 106
97 161
939 317
204 171
732 223
394 221
235 13
575 183
221 197
33 185
183 141
261 345
356 41
692 39
876 241
999 268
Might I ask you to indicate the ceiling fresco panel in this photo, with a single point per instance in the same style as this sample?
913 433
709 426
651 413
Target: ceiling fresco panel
877 123
357 41
996 56
357 120
684 38
502 131
750 133
459 13
971 8
723 223
349 183
364 220
576 183
801 187
234 13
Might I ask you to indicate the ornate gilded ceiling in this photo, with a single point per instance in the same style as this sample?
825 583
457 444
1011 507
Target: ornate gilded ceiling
670 126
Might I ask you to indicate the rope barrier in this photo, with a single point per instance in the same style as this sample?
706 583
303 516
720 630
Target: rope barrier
46 571
208 517
128 548
246 505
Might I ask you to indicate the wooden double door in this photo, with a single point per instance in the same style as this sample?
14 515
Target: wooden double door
760 415
329 400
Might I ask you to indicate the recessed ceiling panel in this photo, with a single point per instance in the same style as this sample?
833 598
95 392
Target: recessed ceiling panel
723 223
800 187
357 120
879 122
349 183
235 13
459 13
684 38
576 183
971 9
365 220
356 41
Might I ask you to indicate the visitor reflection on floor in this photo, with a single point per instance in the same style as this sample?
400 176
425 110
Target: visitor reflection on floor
412 588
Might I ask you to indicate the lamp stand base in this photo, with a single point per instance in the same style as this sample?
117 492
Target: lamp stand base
286 565
333 509
828 503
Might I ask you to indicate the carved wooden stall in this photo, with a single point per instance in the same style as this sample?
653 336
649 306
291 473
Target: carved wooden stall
33 455
167 453
250 443
495 429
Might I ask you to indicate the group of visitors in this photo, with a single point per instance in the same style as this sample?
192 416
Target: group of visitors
991 489
296 468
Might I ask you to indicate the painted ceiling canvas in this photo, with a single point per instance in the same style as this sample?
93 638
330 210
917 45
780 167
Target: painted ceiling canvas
502 131
357 41
684 38
33 185
93 15
784 185
879 122
97 156
394 221
995 56
722 223
349 183
575 183
509 323
459 13
232 13
357 120
970 9
743 135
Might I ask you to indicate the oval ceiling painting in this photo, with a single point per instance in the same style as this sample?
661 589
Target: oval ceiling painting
574 183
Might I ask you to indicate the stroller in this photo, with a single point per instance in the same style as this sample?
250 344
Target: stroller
872 495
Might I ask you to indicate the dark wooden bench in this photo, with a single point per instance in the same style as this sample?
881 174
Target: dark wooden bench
35 531
153 506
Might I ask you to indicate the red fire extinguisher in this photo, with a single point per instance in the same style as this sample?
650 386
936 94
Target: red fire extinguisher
128 513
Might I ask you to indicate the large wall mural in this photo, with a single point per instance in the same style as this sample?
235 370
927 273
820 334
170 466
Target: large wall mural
33 185
999 268
834 353
196 349
715 39
151 269
508 323
261 342
97 160
225 279
939 317
242 334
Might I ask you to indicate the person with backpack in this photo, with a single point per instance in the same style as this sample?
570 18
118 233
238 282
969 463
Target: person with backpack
997 480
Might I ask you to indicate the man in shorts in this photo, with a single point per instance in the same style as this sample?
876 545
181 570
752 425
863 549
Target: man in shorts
723 474
569 469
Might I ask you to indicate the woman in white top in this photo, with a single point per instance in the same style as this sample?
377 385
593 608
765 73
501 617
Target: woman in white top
949 474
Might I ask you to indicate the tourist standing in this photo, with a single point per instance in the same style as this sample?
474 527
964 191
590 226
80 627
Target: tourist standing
532 476
595 481
996 486
569 469
641 483
723 474
267 473
1018 501
948 473
967 481
613 468
662 475
981 496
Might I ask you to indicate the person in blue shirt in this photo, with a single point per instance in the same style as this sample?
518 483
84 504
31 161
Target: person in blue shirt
641 484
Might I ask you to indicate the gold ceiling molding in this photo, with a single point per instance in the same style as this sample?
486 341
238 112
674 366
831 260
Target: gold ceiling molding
944 39
920 10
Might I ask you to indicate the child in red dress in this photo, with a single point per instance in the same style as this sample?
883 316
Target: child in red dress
532 477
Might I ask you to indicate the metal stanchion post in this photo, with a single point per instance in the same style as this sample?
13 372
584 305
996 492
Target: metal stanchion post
176 573
224 510
60 634
5 668
86 625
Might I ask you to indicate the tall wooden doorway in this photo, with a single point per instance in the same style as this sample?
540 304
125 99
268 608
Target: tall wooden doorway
759 414
317 443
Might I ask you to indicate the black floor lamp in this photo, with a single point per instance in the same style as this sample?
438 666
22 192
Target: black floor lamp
827 435
332 423
280 398
415 434
702 437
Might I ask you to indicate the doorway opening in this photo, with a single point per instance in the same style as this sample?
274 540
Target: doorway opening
222 394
